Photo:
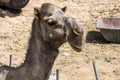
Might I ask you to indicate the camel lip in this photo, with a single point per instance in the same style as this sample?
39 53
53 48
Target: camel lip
77 48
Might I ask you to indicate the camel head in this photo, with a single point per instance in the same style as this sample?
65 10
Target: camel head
57 27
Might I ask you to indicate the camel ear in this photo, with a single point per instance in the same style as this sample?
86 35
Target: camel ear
36 11
64 9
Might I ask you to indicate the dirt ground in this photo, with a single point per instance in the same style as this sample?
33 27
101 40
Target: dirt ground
15 31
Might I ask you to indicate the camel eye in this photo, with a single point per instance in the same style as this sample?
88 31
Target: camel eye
52 23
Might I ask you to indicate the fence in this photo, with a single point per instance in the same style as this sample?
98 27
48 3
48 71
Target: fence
57 71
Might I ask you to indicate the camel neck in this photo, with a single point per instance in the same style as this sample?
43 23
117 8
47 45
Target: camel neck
40 55
38 49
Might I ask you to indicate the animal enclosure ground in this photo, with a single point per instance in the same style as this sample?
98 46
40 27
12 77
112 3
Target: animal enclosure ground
15 31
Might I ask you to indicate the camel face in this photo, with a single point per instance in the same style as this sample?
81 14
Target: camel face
52 22
54 27
58 27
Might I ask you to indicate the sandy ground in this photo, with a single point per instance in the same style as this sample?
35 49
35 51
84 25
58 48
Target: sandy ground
15 31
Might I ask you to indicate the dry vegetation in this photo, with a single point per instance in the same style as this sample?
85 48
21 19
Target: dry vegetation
15 30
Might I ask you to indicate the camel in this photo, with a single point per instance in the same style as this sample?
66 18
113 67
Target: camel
51 28
14 6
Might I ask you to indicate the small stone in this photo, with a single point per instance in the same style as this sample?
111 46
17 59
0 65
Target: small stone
66 54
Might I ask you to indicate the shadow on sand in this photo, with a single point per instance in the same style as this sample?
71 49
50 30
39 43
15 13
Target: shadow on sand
96 37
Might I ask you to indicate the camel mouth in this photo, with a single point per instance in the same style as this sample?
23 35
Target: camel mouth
77 48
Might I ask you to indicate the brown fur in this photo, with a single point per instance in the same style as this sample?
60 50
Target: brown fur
49 32
12 5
